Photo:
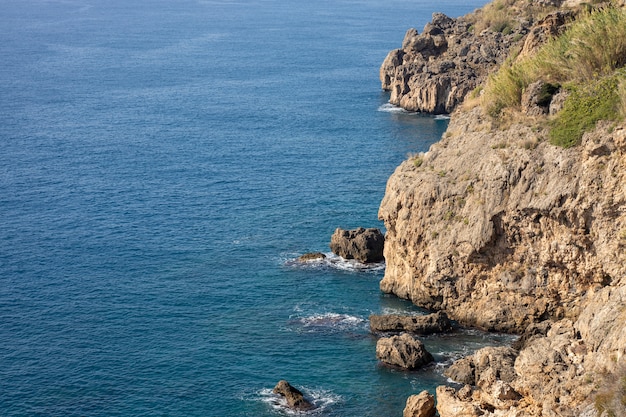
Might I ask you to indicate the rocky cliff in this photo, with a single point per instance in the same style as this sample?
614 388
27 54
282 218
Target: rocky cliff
506 232
435 70
502 231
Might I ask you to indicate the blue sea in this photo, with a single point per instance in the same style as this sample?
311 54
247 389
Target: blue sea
162 165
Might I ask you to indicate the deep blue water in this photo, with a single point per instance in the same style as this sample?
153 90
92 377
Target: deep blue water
162 163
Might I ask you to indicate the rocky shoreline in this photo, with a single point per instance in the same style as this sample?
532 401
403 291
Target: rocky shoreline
505 232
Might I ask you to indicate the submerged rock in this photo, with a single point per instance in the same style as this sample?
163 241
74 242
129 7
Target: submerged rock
295 398
428 324
311 256
404 351
364 245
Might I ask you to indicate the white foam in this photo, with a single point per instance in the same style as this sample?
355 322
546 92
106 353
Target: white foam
336 262
400 311
321 399
390 108
328 322
442 117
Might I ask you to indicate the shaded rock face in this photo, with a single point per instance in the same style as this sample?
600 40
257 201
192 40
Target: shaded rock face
434 70
295 398
428 324
485 364
509 231
364 245
537 98
403 351
421 405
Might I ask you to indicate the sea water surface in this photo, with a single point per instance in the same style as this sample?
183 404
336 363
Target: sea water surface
162 164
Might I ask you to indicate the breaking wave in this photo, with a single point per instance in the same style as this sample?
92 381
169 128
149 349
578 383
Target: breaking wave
328 322
336 262
390 108
320 398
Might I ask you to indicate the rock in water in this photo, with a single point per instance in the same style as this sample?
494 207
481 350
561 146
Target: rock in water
428 324
403 351
364 245
421 405
295 398
312 256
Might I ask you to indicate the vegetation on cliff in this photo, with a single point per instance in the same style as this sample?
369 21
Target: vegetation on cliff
505 16
504 231
587 61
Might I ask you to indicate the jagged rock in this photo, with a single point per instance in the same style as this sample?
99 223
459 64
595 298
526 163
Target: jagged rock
434 70
484 367
312 256
295 398
421 405
500 234
450 405
462 371
500 361
428 324
365 245
537 97
533 331
558 100
550 26
509 237
403 351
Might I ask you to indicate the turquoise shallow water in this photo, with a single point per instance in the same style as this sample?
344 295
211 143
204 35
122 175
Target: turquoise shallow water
162 165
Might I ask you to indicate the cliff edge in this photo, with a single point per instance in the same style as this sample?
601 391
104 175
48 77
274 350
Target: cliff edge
505 231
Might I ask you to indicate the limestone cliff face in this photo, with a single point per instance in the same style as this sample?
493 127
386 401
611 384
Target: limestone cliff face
434 70
501 229
577 369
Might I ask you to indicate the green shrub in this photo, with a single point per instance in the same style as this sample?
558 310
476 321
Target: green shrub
585 106
595 45
585 58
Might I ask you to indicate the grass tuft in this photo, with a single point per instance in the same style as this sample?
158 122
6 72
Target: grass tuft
585 59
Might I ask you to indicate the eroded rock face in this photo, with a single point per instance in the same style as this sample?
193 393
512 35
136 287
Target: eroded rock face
421 405
550 26
404 351
428 324
506 232
559 373
487 364
364 245
434 70
295 398
501 229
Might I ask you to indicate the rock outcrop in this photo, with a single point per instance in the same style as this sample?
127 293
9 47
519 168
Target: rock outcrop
424 325
295 398
502 229
420 405
311 256
404 351
364 245
575 369
506 232
484 365
434 70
